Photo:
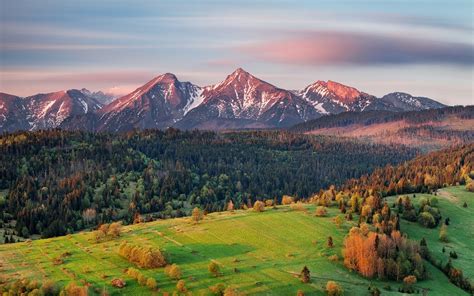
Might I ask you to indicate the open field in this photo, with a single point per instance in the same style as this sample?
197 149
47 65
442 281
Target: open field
258 253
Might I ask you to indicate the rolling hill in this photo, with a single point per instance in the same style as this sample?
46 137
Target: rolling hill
258 253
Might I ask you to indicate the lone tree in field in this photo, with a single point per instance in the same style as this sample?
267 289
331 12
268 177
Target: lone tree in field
214 269
173 271
196 215
181 286
330 242
286 200
230 206
305 275
443 233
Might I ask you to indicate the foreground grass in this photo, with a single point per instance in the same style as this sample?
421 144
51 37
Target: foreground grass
259 254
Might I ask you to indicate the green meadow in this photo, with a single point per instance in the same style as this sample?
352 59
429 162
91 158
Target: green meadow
258 253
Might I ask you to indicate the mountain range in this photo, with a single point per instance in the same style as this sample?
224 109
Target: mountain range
240 101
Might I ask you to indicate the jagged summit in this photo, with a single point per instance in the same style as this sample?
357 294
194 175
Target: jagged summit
242 100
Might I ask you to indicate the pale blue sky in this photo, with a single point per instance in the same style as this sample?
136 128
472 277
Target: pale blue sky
421 47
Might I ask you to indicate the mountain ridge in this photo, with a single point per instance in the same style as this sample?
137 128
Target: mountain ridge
240 101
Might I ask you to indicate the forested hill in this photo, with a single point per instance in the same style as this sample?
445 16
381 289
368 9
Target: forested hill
428 129
54 182
375 117
425 173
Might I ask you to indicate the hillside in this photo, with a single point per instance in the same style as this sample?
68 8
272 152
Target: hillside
54 177
430 129
258 253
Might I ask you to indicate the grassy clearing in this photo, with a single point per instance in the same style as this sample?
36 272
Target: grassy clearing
259 254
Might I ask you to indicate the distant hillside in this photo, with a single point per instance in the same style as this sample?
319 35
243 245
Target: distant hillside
431 129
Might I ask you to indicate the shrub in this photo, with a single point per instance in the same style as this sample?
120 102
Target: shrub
408 283
181 286
72 289
286 200
173 271
213 268
321 211
298 207
269 202
217 289
453 254
151 284
443 233
333 289
300 293
305 275
259 206
426 219
118 283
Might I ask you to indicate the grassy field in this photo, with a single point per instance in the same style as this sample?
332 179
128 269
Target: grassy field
259 253
460 229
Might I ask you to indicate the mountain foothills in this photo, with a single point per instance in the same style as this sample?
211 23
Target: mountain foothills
53 181
240 101
427 129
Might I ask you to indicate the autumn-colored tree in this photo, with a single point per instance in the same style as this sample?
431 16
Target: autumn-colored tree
333 289
470 186
181 286
151 283
72 289
338 221
321 211
269 203
305 275
443 233
214 268
196 215
286 200
408 283
230 206
259 206
299 293
173 271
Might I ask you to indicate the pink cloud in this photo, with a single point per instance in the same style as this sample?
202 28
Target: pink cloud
332 48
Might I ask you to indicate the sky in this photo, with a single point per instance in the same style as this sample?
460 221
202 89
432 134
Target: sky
423 47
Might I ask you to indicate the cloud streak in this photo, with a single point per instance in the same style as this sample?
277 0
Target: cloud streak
342 48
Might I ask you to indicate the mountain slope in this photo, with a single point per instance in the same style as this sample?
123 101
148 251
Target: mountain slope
242 96
431 128
157 104
241 101
331 97
399 102
43 111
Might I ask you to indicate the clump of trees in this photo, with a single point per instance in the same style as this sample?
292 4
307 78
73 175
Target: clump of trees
382 256
26 286
427 215
108 231
144 257
142 280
